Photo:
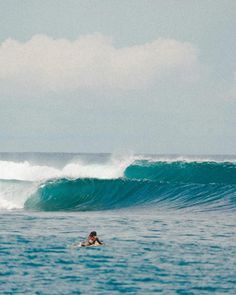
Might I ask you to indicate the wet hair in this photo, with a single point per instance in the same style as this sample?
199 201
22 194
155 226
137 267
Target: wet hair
93 234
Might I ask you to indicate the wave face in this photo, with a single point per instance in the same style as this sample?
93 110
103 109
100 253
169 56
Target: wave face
104 183
97 194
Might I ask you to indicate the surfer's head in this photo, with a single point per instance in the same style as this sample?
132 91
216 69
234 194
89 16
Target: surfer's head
93 234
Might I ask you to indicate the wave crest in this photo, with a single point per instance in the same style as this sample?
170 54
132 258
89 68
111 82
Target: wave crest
182 171
114 168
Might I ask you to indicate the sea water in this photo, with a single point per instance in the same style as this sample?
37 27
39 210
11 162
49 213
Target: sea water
168 224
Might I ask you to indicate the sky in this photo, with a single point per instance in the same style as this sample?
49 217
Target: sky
143 76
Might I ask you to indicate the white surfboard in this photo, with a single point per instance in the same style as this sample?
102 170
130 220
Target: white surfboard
78 245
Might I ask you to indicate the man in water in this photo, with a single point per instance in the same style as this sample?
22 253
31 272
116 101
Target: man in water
91 240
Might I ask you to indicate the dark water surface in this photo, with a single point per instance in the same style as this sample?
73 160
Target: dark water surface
146 251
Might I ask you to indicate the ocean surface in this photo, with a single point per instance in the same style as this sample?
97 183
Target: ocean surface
168 224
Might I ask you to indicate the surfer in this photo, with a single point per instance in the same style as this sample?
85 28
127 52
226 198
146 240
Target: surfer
92 240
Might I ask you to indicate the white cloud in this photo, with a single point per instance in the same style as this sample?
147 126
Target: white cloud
93 61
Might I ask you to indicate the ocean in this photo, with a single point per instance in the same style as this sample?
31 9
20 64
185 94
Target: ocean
168 223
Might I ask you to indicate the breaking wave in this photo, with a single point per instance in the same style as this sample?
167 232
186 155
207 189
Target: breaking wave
201 184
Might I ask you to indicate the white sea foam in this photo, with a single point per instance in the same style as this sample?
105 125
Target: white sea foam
25 171
114 168
188 158
13 194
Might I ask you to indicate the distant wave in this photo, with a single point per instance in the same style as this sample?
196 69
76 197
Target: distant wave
202 184
182 171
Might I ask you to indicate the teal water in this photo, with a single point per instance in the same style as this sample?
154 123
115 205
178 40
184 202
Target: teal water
169 224
145 252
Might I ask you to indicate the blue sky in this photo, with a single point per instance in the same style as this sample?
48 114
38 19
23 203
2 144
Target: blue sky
101 76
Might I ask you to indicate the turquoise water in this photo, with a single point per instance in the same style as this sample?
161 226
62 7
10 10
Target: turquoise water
168 223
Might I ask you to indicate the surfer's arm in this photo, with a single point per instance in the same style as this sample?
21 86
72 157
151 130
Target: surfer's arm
99 242
84 244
